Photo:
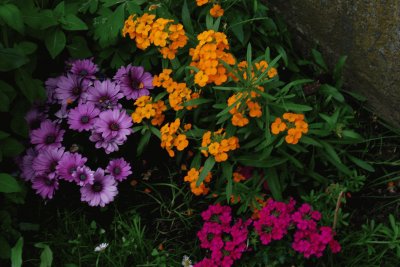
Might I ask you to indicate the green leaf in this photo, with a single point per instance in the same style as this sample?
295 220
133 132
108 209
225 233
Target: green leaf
319 60
256 161
5 249
144 140
4 102
197 102
274 184
8 90
26 47
46 257
12 17
78 48
55 42
238 32
3 135
186 19
208 165
19 125
72 23
32 89
337 72
40 20
209 22
16 253
10 147
361 163
227 170
331 151
59 10
296 107
12 58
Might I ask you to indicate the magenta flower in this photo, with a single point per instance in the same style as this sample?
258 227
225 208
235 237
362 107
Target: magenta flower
68 165
134 81
45 186
48 135
119 169
27 172
114 124
82 117
109 145
101 192
83 176
47 160
104 95
85 68
70 88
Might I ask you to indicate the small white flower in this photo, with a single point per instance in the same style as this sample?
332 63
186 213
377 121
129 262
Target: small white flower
186 262
101 247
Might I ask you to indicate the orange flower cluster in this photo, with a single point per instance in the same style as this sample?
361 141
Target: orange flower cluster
163 33
192 177
178 92
146 108
216 11
217 145
252 107
295 126
206 57
201 2
260 67
173 136
238 177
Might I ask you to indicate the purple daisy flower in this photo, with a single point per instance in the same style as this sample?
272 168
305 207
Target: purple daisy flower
27 171
104 95
45 186
48 135
119 168
34 118
51 85
82 117
83 176
114 124
134 81
85 68
101 192
109 145
69 164
70 88
47 160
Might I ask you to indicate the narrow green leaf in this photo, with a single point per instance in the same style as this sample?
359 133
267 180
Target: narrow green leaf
319 60
144 140
186 19
274 184
55 42
16 253
208 165
331 151
361 163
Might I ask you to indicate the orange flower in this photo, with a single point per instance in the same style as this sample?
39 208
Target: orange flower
201 79
278 126
237 177
218 146
201 2
192 177
216 11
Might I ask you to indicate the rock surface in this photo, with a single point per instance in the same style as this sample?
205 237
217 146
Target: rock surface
368 32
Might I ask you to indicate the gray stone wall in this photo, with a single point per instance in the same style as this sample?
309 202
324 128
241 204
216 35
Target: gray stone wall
367 31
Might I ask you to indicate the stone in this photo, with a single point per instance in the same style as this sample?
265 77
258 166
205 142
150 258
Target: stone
368 32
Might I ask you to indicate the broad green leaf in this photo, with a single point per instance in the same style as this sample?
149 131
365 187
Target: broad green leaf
40 20
59 10
32 89
12 17
12 58
55 42
4 102
208 165
78 48
72 23
46 257
10 147
3 135
26 47
16 253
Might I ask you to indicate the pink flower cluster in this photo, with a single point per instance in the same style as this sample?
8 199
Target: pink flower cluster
226 242
274 220
309 239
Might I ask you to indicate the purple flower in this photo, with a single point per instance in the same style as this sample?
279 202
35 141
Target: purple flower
51 85
68 165
104 95
45 186
83 176
47 160
109 145
85 68
48 135
101 192
27 172
82 117
119 168
70 88
61 114
134 81
114 124
34 118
